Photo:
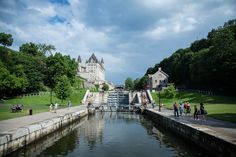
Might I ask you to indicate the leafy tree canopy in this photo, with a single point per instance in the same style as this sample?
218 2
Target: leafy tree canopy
63 88
6 39
129 84
105 87
208 64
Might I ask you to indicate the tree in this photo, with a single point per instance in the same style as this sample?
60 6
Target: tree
6 39
199 44
208 64
129 84
170 91
44 48
143 82
136 85
105 87
29 48
58 65
11 84
63 88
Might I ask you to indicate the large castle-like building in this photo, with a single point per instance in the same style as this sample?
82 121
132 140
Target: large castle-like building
92 70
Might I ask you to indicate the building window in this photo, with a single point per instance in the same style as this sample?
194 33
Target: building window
155 81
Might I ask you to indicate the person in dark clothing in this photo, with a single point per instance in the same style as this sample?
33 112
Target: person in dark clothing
196 112
202 110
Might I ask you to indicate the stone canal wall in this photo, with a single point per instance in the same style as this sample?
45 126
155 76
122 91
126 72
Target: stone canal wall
210 143
20 137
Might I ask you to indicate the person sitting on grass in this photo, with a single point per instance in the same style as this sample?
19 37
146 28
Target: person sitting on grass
18 107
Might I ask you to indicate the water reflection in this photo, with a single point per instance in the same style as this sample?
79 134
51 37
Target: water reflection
111 134
93 130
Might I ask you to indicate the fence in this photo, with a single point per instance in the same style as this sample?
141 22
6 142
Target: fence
34 94
195 90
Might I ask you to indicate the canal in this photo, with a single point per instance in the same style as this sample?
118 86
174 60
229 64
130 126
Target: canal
115 134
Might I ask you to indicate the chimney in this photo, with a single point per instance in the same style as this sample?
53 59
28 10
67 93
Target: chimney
159 69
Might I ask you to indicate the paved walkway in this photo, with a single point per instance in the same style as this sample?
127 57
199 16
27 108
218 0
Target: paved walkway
218 128
9 124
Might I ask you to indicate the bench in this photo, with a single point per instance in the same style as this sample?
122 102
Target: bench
17 108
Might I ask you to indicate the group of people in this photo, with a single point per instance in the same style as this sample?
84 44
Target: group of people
185 107
199 112
17 108
54 107
181 108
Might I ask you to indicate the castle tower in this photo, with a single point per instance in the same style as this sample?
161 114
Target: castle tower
92 70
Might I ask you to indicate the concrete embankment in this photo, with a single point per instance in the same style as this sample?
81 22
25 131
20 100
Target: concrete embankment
20 137
211 143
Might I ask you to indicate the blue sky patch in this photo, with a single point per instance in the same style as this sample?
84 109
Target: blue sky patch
56 19
61 2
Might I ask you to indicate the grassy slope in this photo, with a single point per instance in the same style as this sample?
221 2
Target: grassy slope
219 107
37 103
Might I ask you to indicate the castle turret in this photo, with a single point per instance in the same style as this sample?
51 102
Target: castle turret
79 59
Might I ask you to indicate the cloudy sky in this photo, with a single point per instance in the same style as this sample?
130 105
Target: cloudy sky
131 35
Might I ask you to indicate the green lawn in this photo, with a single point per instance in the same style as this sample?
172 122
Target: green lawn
219 107
37 103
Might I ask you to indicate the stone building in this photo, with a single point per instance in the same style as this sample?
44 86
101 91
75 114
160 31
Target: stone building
92 70
158 80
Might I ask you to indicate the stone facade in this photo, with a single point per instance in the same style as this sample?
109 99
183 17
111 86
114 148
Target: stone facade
158 80
92 70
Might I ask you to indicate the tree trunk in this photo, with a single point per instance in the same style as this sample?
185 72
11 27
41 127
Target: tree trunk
51 96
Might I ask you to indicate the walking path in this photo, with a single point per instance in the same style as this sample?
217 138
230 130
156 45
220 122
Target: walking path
10 124
218 128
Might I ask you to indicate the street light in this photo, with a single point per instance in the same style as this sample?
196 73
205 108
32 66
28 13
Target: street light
159 95
159 100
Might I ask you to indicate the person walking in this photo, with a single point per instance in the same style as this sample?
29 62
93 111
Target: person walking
51 107
176 109
181 108
69 104
203 112
55 107
188 108
196 112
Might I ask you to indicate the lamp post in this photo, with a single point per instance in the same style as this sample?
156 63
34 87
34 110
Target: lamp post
159 100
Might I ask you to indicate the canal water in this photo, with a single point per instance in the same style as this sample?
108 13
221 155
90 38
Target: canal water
111 134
